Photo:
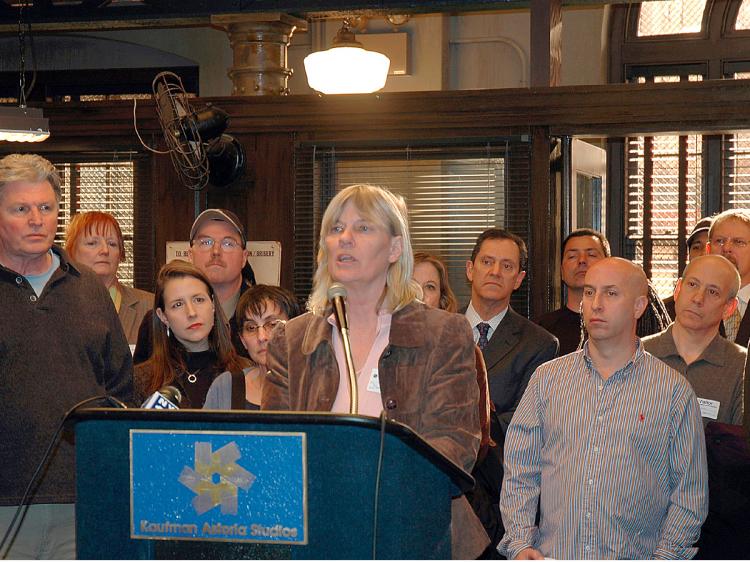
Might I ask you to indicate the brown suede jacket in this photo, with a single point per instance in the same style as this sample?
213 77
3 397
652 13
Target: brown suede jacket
428 377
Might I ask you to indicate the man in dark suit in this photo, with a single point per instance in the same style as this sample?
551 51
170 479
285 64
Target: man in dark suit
512 346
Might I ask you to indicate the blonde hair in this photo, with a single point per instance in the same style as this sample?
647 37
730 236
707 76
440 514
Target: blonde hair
447 296
737 214
389 211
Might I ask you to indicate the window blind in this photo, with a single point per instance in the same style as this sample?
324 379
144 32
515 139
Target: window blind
110 183
453 193
664 198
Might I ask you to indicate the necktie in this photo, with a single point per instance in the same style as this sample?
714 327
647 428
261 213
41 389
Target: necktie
483 329
732 324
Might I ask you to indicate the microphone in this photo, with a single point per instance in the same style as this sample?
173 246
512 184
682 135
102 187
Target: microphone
337 296
166 398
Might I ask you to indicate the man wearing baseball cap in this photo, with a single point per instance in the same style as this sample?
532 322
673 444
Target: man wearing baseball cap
696 246
218 249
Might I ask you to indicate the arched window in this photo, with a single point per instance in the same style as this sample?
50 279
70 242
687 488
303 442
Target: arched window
743 16
675 17
671 181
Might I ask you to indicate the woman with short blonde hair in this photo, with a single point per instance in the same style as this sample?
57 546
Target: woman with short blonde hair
412 363
378 206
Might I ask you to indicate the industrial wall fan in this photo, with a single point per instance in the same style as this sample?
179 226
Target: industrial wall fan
200 152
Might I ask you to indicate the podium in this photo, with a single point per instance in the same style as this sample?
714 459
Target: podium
327 469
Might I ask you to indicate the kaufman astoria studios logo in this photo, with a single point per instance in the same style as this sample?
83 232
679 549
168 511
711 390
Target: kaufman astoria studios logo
216 477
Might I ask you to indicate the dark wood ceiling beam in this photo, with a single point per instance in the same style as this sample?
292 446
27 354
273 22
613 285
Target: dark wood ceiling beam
609 110
158 13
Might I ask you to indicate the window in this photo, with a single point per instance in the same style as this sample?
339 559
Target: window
664 188
664 192
671 181
736 164
453 194
670 17
743 16
736 151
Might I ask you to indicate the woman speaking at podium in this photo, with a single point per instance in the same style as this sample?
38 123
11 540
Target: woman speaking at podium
414 362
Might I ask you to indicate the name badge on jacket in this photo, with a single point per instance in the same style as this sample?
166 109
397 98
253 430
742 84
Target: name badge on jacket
709 408
373 385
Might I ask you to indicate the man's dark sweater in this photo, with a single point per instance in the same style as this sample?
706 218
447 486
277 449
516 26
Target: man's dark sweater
55 350
565 325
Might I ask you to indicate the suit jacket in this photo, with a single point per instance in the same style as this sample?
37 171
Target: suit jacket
517 347
726 531
133 307
743 334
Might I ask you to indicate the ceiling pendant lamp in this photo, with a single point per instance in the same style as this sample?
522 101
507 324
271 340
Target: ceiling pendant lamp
346 68
23 124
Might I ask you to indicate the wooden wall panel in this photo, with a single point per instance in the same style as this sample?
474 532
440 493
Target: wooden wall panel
269 126
173 206
264 198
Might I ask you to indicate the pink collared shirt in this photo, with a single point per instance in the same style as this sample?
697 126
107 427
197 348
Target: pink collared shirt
370 403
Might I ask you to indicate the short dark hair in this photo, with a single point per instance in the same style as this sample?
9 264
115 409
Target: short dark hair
502 234
253 301
581 232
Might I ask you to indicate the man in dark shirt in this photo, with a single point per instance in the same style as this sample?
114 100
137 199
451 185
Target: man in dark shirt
61 342
580 250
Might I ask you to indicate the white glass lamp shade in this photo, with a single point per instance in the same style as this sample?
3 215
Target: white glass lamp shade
23 124
24 136
346 70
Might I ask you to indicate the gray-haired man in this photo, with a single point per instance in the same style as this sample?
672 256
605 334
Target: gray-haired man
60 342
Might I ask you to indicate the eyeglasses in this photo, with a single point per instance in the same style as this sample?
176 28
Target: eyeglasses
227 244
736 242
252 329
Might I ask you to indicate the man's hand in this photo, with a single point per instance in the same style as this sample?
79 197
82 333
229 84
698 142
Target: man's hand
529 554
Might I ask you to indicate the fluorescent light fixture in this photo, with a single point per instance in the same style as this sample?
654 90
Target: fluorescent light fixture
346 68
23 124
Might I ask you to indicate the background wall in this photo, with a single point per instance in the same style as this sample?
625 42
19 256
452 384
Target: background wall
208 48
478 50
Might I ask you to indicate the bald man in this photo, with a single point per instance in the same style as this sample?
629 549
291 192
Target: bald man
608 441
705 295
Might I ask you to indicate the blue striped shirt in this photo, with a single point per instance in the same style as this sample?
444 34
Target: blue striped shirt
618 465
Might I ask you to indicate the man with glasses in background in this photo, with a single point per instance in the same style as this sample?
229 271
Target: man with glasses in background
729 236
218 248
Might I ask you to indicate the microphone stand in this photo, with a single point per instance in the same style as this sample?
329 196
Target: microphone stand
337 294
353 386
